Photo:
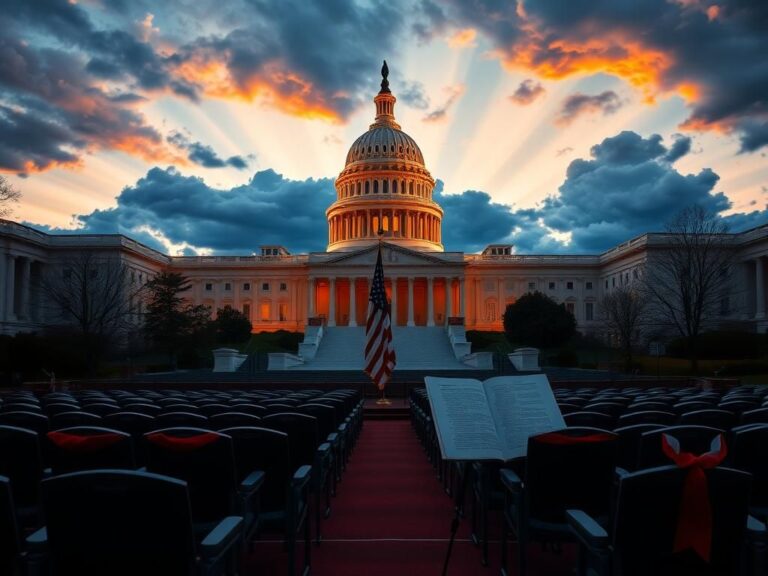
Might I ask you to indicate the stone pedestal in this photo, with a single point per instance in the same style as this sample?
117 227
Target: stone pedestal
525 359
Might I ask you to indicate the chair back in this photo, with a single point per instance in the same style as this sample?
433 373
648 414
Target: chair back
302 431
268 450
722 419
695 439
326 417
10 541
589 419
232 419
756 416
647 417
647 515
202 458
747 450
30 420
180 419
74 418
629 443
89 448
21 462
570 468
101 409
118 522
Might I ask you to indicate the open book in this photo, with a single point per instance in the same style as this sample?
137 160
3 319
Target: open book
491 420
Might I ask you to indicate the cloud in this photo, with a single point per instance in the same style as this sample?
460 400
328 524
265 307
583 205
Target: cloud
528 91
564 151
578 104
627 187
439 114
680 147
660 47
462 38
58 115
185 211
204 155
413 94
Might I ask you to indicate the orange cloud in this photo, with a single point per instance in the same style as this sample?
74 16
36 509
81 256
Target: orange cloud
147 148
462 38
274 86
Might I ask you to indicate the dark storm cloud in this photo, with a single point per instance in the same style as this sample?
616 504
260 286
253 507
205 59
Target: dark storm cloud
578 104
680 147
59 115
413 94
204 155
626 189
270 209
527 92
658 45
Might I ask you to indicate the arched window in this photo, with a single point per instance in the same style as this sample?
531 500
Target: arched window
385 223
377 147
394 186
358 188
375 186
385 185
375 224
411 188
367 187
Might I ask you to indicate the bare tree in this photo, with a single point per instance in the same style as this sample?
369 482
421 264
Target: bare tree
8 195
688 280
93 292
624 312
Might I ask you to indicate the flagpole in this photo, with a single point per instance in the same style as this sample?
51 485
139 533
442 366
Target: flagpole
383 401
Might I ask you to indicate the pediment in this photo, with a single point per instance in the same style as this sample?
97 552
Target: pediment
391 254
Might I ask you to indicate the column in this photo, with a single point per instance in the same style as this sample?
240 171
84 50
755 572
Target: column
759 290
410 302
393 314
448 298
331 301
502 306
430 302
352 302
310 298
26 266
461 297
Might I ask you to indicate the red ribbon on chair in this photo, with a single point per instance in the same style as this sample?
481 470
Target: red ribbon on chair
567 440
182 443
694 524
77 443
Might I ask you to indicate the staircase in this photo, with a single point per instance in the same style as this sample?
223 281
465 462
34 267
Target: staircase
417 348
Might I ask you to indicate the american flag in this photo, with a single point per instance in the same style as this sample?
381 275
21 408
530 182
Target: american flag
379 353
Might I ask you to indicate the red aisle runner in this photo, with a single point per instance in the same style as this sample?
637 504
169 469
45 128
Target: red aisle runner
392 518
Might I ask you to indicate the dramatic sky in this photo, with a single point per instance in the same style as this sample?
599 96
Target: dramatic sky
202 126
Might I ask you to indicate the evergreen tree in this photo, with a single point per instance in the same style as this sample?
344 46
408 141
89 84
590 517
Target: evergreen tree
231 326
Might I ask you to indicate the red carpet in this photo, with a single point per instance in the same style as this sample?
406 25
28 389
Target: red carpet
392 518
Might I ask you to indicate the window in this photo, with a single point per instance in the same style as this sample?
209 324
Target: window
531 285
606 283
247 311
613 281
208 287
589 286
634 273
569 285
570 307
265 287
265 311
589 311
282 312
227 286
551 285
246 287
283 287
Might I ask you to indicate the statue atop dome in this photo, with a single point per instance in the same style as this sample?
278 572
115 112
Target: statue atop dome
384 82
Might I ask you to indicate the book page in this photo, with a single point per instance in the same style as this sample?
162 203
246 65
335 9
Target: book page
522 406
465 428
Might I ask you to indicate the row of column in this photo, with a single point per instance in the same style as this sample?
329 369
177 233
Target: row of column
312 296
394 223
16 290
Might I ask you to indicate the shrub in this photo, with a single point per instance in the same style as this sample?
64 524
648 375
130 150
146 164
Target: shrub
722 345
537 320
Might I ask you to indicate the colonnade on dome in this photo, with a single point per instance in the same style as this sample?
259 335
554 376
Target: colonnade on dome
366 223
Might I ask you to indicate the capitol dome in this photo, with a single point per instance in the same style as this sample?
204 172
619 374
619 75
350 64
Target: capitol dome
385 188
